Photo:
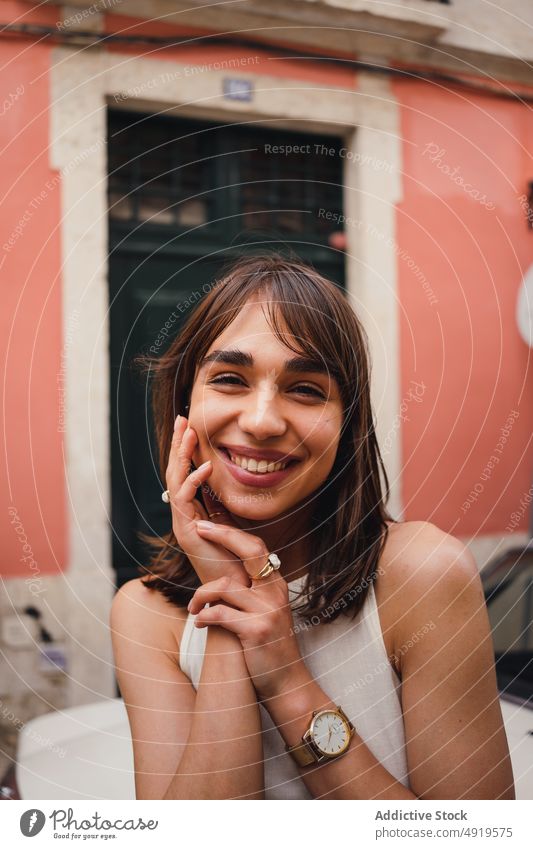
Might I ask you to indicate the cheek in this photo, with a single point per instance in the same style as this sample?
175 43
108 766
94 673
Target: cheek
208 418
205 448
325 446
323 454
201 451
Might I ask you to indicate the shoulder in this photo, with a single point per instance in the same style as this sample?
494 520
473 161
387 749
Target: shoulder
417 544
138 610
420 552
449 693
136 600
424 572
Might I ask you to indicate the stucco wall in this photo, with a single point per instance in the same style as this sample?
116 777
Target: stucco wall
466 444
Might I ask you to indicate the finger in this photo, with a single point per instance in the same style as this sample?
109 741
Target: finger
177 437
180 469
184 455
214 506
224 589
194 479
251 550
227 617
183 502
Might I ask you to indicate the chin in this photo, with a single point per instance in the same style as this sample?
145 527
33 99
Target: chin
258 508
254 508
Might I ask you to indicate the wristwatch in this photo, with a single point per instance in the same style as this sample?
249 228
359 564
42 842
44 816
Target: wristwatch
327 737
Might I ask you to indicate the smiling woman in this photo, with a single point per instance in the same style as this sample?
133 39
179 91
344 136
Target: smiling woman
314 404
237 652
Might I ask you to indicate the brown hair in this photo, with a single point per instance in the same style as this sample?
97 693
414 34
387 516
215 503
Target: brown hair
349 527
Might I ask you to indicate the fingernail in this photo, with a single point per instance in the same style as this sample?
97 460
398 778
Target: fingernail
176 423
204 525
189 605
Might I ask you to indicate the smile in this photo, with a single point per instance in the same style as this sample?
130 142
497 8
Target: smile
256 472
256 465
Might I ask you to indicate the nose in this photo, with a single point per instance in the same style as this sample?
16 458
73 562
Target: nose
261 416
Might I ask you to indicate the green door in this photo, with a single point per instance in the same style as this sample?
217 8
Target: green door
185 197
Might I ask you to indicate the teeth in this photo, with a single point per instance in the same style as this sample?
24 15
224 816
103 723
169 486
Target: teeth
259 467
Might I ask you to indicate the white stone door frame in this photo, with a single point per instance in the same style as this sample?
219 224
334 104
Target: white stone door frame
82 84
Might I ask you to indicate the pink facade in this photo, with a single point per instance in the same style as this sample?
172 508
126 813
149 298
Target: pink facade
467 163
31 332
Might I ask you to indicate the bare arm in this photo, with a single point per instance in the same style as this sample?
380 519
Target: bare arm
356 775
187 745
455 740
223 758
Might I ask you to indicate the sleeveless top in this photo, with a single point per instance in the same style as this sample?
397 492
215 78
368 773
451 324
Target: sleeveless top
348 660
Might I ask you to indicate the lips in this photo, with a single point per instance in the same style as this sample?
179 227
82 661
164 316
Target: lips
243 476
226 452
268 454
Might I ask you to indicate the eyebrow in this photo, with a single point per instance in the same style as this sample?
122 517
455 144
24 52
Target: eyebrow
234 357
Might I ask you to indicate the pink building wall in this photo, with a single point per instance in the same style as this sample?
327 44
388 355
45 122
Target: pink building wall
472 243
33 494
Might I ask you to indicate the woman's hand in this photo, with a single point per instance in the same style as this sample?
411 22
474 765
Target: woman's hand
208 559
259 615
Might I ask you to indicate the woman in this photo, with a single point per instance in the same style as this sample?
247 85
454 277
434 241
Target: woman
304 645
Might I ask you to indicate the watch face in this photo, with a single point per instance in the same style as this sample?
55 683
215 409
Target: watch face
330 733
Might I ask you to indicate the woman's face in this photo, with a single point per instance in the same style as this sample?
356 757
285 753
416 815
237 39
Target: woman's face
263 406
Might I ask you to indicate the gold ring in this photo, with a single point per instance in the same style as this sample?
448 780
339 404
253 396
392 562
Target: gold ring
273 563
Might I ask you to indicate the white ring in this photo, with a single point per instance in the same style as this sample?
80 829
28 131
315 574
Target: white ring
272 564
274 560
165 496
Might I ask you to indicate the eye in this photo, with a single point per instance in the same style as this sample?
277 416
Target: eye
225 378
230 378
311 390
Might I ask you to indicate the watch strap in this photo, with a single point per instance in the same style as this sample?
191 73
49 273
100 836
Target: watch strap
303 754
349 723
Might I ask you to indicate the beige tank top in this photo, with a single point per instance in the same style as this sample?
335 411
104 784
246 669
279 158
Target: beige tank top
348 660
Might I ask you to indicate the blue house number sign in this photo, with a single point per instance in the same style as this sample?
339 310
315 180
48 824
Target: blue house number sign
235 89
